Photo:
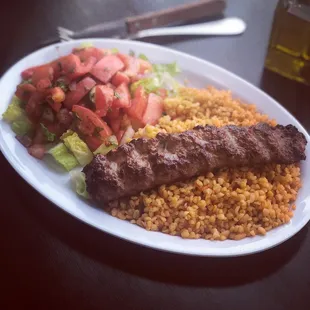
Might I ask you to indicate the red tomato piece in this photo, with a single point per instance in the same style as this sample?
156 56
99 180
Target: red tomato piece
45 73
37 151
93 142
72 68
106 68
27 74
82 88
120 78
145 66
132 64
87 116
34 108
115 125
114 113
104 97
154 110
39 137
64 117
56 106
119 135
24 91
138 104
85 53
43 85
162 93
121 97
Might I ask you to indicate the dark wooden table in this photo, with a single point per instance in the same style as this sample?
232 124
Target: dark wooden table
49 260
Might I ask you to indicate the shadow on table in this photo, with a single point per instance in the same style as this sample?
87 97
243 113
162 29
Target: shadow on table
292 95
156 265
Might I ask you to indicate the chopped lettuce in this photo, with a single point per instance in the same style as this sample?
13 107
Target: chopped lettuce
85 45
78 181
63 157
21 127
14 111
143 57
78 147
106 148
48 135
173 68
151 84
161 77
114 50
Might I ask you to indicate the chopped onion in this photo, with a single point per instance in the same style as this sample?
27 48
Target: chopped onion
128 134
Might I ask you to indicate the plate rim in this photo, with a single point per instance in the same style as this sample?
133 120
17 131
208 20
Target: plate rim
146 243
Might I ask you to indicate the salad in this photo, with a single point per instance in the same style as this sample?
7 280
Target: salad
88 102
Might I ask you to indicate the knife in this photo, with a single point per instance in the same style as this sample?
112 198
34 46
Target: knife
128 27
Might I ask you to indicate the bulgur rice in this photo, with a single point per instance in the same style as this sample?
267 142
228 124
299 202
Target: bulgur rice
227 204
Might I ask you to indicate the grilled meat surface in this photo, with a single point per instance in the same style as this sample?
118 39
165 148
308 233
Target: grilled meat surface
144 164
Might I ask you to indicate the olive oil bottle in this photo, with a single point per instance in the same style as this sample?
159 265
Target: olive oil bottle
289 46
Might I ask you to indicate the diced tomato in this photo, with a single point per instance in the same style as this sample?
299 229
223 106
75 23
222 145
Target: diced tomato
114 113
104 97
121 97
34 108
132 64
56 106
145 66
64 117
27 74
56 128
72 68
82 88
115 125
43 85
154 110
138 104
106 68
45 73
39 137
110 85
93 142
162 93
24 91
119 135
85 53
48 115
87 116
37 151
120 78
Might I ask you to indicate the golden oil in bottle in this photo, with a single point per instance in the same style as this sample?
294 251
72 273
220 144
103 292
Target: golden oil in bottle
289 47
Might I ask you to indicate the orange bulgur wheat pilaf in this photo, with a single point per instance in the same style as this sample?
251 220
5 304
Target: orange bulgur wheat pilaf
227 204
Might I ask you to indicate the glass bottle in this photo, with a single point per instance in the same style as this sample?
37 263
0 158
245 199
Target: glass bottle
289 46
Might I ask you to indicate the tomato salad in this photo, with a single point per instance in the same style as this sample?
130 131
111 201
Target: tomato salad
87 102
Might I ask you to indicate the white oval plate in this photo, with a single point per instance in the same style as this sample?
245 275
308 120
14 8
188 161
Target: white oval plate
55 185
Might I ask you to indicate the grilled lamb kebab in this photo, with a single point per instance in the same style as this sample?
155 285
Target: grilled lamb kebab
144 164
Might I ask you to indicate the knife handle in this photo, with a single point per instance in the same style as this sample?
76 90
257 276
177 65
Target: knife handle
184 12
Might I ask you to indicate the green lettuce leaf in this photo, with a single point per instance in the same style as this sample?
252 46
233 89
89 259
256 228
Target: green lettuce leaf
21 127
63 157
78 147
14 111
48 135
106 148
161 77
173 68
79 184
